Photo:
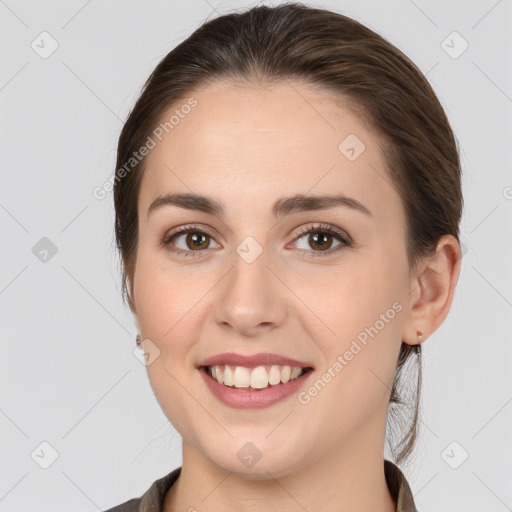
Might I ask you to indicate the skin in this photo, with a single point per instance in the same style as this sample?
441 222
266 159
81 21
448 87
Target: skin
249 146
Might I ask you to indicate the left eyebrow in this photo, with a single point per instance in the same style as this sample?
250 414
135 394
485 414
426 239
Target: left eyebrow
302 203
282 207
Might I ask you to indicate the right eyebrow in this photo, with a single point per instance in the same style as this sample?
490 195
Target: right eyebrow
190 202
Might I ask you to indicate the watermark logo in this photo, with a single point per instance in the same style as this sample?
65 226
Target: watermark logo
44 455
249 454
44 45
351 147
249 249
454 455
146 352
44 250
454 45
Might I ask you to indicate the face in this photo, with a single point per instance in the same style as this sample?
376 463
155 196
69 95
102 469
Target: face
251 279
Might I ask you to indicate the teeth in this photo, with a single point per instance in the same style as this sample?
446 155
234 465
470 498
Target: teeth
286 374
296 372
259 377
218 375
242 378
228 375
274 376
256 378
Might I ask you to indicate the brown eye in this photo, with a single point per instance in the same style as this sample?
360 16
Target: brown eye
318 240
188 241
321 241
197 241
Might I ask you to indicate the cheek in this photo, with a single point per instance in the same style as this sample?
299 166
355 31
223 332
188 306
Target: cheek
169 311
343 301
172 307
168 296
358 318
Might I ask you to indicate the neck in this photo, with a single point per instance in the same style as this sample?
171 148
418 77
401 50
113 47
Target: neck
342 480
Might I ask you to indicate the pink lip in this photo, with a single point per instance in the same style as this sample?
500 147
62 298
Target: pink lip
258 399
262 359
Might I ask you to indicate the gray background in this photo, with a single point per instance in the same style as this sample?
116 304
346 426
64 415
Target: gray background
69 377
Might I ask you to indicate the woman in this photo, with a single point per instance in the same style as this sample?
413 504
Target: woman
287 204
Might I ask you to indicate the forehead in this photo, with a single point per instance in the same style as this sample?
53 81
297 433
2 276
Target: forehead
264 141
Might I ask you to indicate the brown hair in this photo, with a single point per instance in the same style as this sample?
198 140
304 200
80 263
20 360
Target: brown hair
388 92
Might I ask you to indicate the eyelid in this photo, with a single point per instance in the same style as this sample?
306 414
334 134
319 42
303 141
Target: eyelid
320 226
185 228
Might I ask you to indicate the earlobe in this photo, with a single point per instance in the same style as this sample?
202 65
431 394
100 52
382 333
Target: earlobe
434 289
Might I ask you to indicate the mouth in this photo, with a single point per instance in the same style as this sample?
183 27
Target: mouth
257 378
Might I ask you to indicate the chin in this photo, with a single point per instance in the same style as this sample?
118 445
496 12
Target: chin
255 461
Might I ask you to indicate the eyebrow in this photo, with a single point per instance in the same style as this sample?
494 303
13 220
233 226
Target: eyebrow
283 206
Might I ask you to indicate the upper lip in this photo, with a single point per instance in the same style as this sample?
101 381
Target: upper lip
261 359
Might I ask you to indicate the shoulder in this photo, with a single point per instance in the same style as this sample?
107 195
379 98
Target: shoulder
153 498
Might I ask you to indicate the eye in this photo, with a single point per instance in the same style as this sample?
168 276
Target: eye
187 241
191 241
320 237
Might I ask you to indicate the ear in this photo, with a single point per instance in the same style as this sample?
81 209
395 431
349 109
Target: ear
432 287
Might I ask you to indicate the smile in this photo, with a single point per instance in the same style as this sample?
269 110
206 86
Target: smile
253 388
259 377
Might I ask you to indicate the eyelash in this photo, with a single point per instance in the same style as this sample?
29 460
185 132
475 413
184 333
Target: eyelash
310 228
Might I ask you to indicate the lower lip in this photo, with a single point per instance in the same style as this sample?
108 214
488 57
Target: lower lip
246 399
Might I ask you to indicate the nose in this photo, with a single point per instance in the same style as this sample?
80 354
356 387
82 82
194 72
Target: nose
250 299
